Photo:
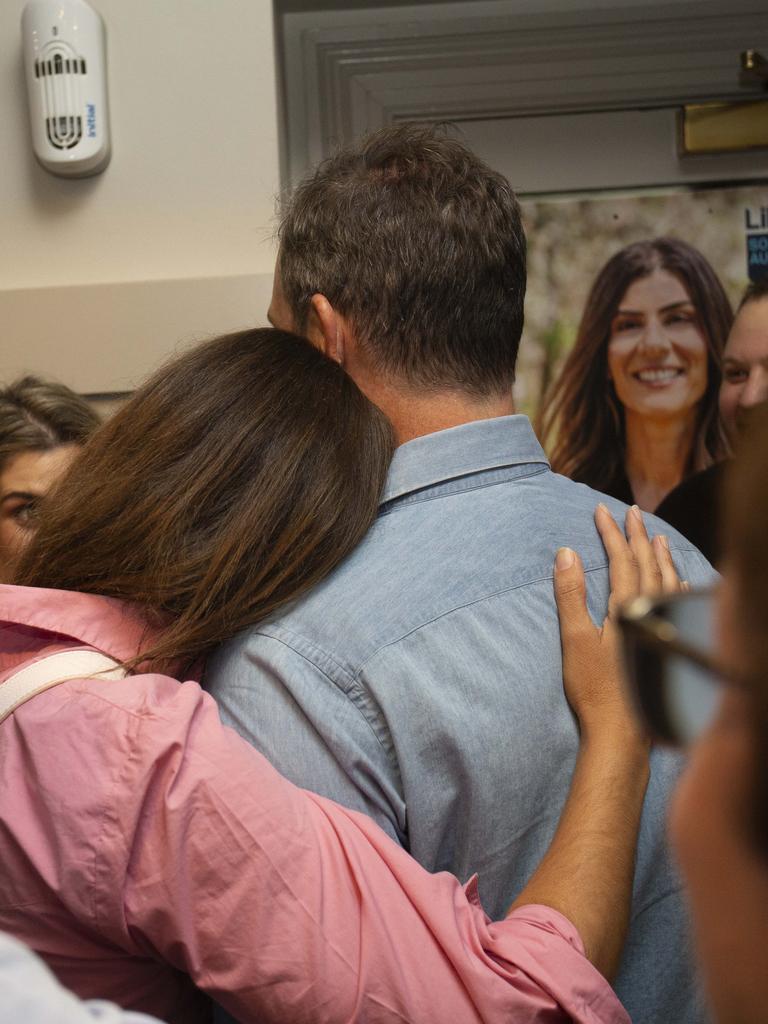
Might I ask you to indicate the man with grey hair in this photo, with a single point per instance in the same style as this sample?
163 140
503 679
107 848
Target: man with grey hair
422 682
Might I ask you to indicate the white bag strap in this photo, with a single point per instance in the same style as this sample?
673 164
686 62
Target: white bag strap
80 663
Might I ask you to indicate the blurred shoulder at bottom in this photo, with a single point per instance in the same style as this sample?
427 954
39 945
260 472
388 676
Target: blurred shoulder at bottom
32 994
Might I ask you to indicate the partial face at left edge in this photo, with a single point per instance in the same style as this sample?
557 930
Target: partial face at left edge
745 367
24 481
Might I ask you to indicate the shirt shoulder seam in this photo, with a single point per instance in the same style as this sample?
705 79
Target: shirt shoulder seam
356 694
460 608
352 684
299 641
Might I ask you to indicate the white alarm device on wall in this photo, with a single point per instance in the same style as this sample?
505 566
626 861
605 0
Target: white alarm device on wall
66 71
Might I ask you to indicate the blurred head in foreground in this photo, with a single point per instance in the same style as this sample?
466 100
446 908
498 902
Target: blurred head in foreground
720 815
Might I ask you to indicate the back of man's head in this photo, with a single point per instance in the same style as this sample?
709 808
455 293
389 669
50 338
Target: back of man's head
419 245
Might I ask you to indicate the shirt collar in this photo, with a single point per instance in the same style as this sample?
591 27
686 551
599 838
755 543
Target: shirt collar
460 451
113 627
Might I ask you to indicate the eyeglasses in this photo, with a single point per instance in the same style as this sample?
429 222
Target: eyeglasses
675 679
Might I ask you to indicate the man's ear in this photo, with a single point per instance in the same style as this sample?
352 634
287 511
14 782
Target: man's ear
326 328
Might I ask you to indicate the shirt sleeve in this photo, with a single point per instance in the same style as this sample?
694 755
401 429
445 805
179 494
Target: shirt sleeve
317 727
284 906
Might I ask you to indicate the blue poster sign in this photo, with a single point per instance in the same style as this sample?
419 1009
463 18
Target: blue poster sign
756 224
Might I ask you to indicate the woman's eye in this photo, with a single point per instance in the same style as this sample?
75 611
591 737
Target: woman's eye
735 375
677 319
622 326
25 515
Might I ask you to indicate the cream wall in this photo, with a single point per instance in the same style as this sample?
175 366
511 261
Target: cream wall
100 278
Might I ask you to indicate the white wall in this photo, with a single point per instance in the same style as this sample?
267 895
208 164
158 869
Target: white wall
188 198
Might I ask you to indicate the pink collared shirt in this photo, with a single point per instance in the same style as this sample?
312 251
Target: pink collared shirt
148 853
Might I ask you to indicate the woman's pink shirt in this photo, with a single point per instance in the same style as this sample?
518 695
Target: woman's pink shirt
143 845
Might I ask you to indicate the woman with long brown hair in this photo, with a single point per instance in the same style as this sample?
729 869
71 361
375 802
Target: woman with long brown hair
634 409
151 856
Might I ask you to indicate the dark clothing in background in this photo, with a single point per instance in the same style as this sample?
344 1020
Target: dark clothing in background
618 487
693 508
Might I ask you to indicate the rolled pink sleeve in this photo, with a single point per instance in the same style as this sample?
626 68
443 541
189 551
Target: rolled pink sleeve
286 907
547 947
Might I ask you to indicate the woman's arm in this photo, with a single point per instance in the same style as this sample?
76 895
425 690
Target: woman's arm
281 905
285 906
587 872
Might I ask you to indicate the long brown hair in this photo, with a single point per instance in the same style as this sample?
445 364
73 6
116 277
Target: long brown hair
582 417
238 476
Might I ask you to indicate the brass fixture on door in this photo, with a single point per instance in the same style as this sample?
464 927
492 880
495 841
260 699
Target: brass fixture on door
728 127
754 68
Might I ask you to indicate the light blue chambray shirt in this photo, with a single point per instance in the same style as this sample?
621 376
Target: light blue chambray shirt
422 683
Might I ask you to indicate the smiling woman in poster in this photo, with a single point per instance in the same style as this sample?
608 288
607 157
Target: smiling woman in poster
634 410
